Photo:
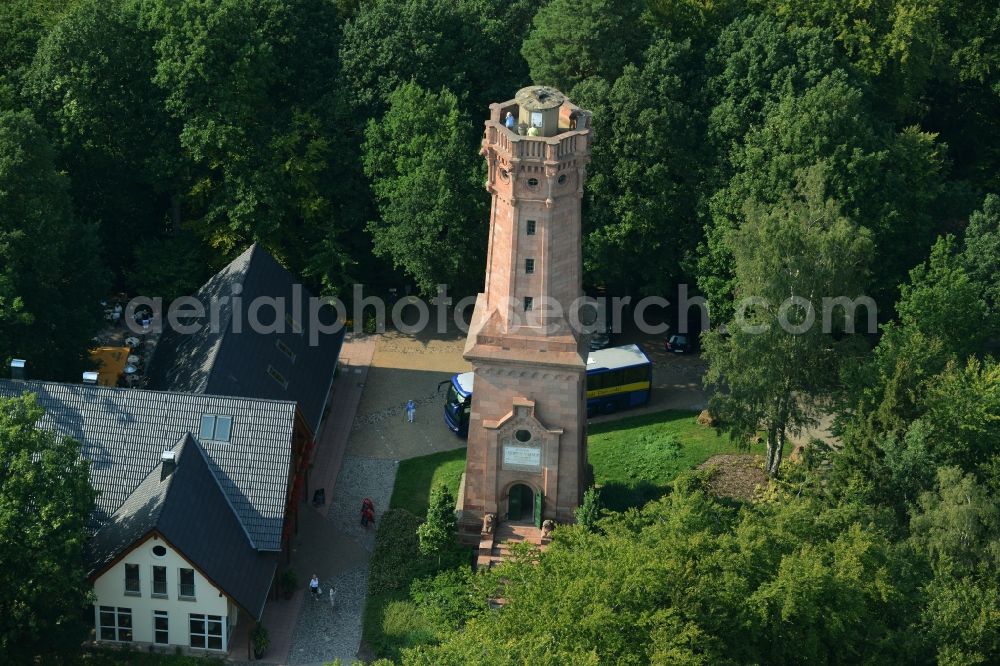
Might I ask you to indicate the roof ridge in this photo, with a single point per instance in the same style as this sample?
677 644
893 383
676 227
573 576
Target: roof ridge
97 388
222 491
227 312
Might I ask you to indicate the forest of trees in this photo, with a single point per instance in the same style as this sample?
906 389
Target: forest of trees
143 143
747 147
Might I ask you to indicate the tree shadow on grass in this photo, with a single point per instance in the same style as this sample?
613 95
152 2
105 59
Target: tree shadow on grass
617 496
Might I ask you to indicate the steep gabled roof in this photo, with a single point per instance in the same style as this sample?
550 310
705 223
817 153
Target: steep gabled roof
187 506
123 432
233 359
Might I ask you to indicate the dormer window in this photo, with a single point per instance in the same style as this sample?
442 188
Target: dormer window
285 349
293 324
215 428
277 376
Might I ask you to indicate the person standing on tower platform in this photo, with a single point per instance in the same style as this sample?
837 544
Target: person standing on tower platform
510 122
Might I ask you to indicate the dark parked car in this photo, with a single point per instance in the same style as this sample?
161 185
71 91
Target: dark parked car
600 339
678 344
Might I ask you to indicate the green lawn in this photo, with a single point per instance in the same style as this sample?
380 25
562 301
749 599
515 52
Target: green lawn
635 459
417 476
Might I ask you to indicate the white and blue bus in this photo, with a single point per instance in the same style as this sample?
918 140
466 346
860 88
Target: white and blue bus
617 378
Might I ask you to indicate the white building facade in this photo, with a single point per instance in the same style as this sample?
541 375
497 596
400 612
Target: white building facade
155 596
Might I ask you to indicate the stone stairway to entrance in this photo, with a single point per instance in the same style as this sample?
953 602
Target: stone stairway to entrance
494 548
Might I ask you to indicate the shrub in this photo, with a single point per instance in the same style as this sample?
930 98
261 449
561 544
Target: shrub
397 550
590 510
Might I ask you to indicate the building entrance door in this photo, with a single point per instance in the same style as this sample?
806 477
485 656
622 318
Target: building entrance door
521 503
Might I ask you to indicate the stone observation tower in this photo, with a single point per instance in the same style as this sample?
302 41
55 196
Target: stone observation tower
527 454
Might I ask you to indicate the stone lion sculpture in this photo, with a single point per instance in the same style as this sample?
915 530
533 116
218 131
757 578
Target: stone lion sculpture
547 527
489 521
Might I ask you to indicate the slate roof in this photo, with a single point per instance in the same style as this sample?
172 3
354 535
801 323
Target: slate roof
123 432
233 359
216 543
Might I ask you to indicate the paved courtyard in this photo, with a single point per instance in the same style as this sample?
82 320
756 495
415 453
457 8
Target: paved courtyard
386 371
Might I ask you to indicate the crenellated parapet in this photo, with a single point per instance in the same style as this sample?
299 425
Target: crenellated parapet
543 166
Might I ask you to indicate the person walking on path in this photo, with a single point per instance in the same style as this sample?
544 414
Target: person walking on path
314 586
367 512
411 410
367 516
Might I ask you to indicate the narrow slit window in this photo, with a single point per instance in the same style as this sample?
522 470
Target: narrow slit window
159 581
531 227
528 303
186 583
132 585
529 266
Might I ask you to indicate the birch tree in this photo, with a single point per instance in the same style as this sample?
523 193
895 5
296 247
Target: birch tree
782 353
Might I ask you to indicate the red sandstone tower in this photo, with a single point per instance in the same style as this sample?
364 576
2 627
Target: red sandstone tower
527 455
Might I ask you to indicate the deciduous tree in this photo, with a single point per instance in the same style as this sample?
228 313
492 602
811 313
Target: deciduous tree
108 120
50 278
981 252
45 502
888 182
428 186
254 87
648 164
573 40
782 353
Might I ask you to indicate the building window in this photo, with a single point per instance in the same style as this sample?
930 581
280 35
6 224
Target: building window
161 627
531 227
215 428
293 324
206 631
132 586
532 182
186 583
528 302
277 376
159 551
115 624
159 581
529 266
285 349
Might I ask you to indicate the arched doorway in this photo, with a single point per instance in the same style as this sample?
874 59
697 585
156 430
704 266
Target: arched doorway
520 503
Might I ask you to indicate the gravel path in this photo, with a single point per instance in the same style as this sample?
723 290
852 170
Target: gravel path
326 632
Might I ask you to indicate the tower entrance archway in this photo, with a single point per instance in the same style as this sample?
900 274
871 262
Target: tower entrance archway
520 503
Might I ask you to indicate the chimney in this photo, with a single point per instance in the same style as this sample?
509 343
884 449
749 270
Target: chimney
17 369
90 377
169 460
